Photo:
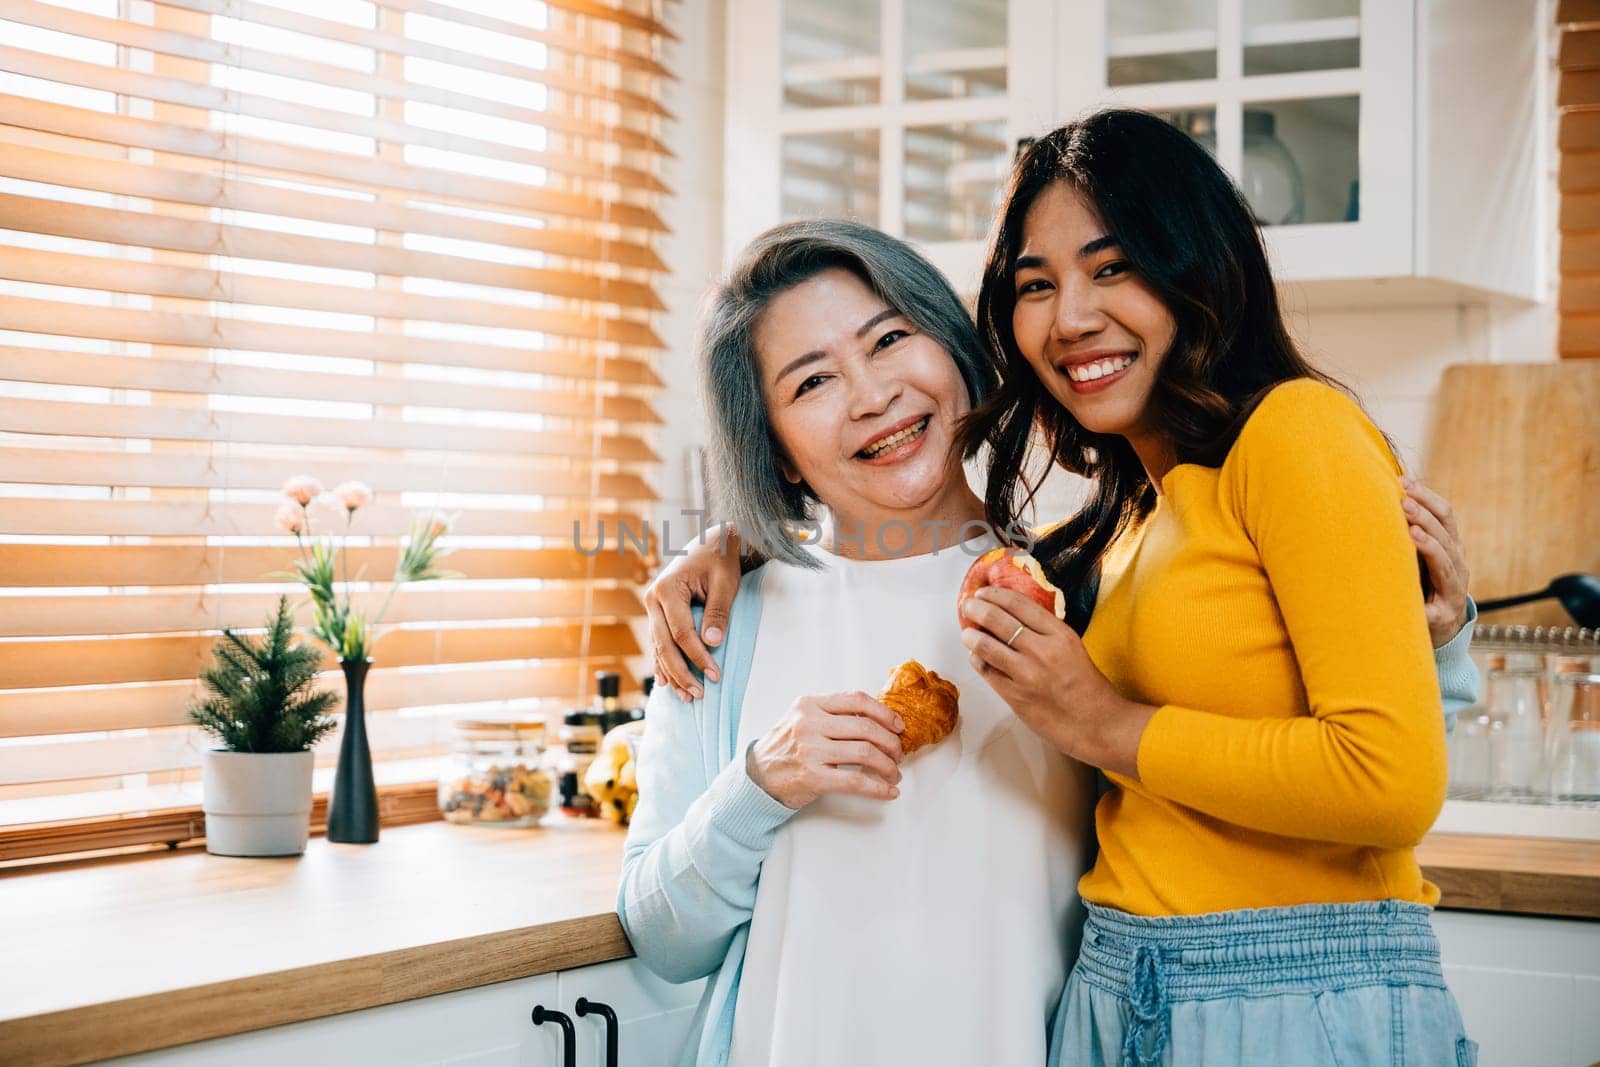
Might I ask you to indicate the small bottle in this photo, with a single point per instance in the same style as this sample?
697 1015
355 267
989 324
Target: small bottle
608 700
580 741
649 685
608 691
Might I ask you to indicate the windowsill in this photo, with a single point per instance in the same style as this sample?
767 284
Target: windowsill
137 953
173 817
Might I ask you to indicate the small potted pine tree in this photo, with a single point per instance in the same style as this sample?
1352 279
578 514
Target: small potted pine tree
262 706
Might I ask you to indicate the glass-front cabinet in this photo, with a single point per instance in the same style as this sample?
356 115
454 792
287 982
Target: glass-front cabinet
1389 148
1307 103
900 113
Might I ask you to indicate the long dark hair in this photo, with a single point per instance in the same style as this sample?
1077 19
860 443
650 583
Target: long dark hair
1188 233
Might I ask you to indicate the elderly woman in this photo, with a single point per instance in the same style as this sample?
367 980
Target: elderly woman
854 906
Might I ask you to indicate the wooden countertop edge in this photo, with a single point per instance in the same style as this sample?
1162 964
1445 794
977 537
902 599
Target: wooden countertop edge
1561 896
1528 876
221 1009
1473 872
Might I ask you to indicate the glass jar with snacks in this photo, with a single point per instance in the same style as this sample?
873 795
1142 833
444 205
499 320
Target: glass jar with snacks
496 774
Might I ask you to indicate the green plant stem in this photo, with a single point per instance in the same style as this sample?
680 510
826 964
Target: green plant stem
344 561
344 565
344 548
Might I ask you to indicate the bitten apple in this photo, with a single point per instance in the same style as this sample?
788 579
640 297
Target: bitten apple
1011 569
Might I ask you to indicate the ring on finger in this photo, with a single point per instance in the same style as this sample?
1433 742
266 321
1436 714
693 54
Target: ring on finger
1011 641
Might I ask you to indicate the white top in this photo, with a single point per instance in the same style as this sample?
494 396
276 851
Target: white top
934 928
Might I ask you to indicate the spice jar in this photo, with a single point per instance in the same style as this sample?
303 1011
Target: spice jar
579 743
496 775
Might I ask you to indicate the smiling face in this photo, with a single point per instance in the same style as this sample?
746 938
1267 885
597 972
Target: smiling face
863 405
1094 332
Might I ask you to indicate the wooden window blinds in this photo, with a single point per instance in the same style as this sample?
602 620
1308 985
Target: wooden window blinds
1578 140
407 242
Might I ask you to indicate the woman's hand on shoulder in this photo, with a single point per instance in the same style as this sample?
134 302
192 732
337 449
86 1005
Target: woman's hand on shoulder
838 743
1039 667
1433 531
708 573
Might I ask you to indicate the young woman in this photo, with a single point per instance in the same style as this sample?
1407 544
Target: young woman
1250 675
1256 678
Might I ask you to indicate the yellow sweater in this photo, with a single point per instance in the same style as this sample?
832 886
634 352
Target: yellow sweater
1270 609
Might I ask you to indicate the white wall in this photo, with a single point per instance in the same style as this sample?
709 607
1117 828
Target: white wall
693 250
1393 357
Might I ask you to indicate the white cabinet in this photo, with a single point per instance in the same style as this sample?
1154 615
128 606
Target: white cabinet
1527 986
1309 104
654 1015
490 1026
1390 147
899 113
1375 139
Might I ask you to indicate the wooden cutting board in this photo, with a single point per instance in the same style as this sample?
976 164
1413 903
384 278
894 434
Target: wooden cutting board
1516 450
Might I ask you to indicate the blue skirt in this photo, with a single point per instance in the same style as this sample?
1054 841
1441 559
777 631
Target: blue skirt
1318 985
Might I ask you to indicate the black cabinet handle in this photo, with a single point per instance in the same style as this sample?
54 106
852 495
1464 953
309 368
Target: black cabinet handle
594 1007
569 1036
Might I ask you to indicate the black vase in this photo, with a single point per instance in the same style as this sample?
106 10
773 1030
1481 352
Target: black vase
353 809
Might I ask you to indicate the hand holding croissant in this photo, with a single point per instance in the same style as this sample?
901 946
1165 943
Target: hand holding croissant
838 743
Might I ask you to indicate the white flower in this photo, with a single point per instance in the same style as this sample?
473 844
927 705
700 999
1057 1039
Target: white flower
291 518
302 489
353 494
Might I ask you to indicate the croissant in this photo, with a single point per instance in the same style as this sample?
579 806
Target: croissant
925 702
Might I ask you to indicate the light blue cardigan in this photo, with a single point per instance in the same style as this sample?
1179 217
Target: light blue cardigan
702 828
698 838
1458 675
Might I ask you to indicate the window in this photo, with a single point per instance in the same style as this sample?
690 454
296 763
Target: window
1578 138
407 242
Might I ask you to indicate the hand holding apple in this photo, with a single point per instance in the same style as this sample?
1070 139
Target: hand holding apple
1012 625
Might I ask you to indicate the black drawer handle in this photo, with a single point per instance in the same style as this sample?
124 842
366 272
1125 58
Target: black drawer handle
594 1007
569 1036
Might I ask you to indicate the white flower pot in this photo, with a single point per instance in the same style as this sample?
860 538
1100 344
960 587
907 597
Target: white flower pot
257 803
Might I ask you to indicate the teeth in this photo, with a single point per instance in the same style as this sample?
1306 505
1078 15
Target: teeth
1088 372
895 439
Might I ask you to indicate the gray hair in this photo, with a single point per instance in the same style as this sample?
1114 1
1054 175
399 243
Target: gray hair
750 489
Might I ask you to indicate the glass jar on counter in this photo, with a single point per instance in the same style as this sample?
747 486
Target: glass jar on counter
1575 738
496 774
1517 747
1469 749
